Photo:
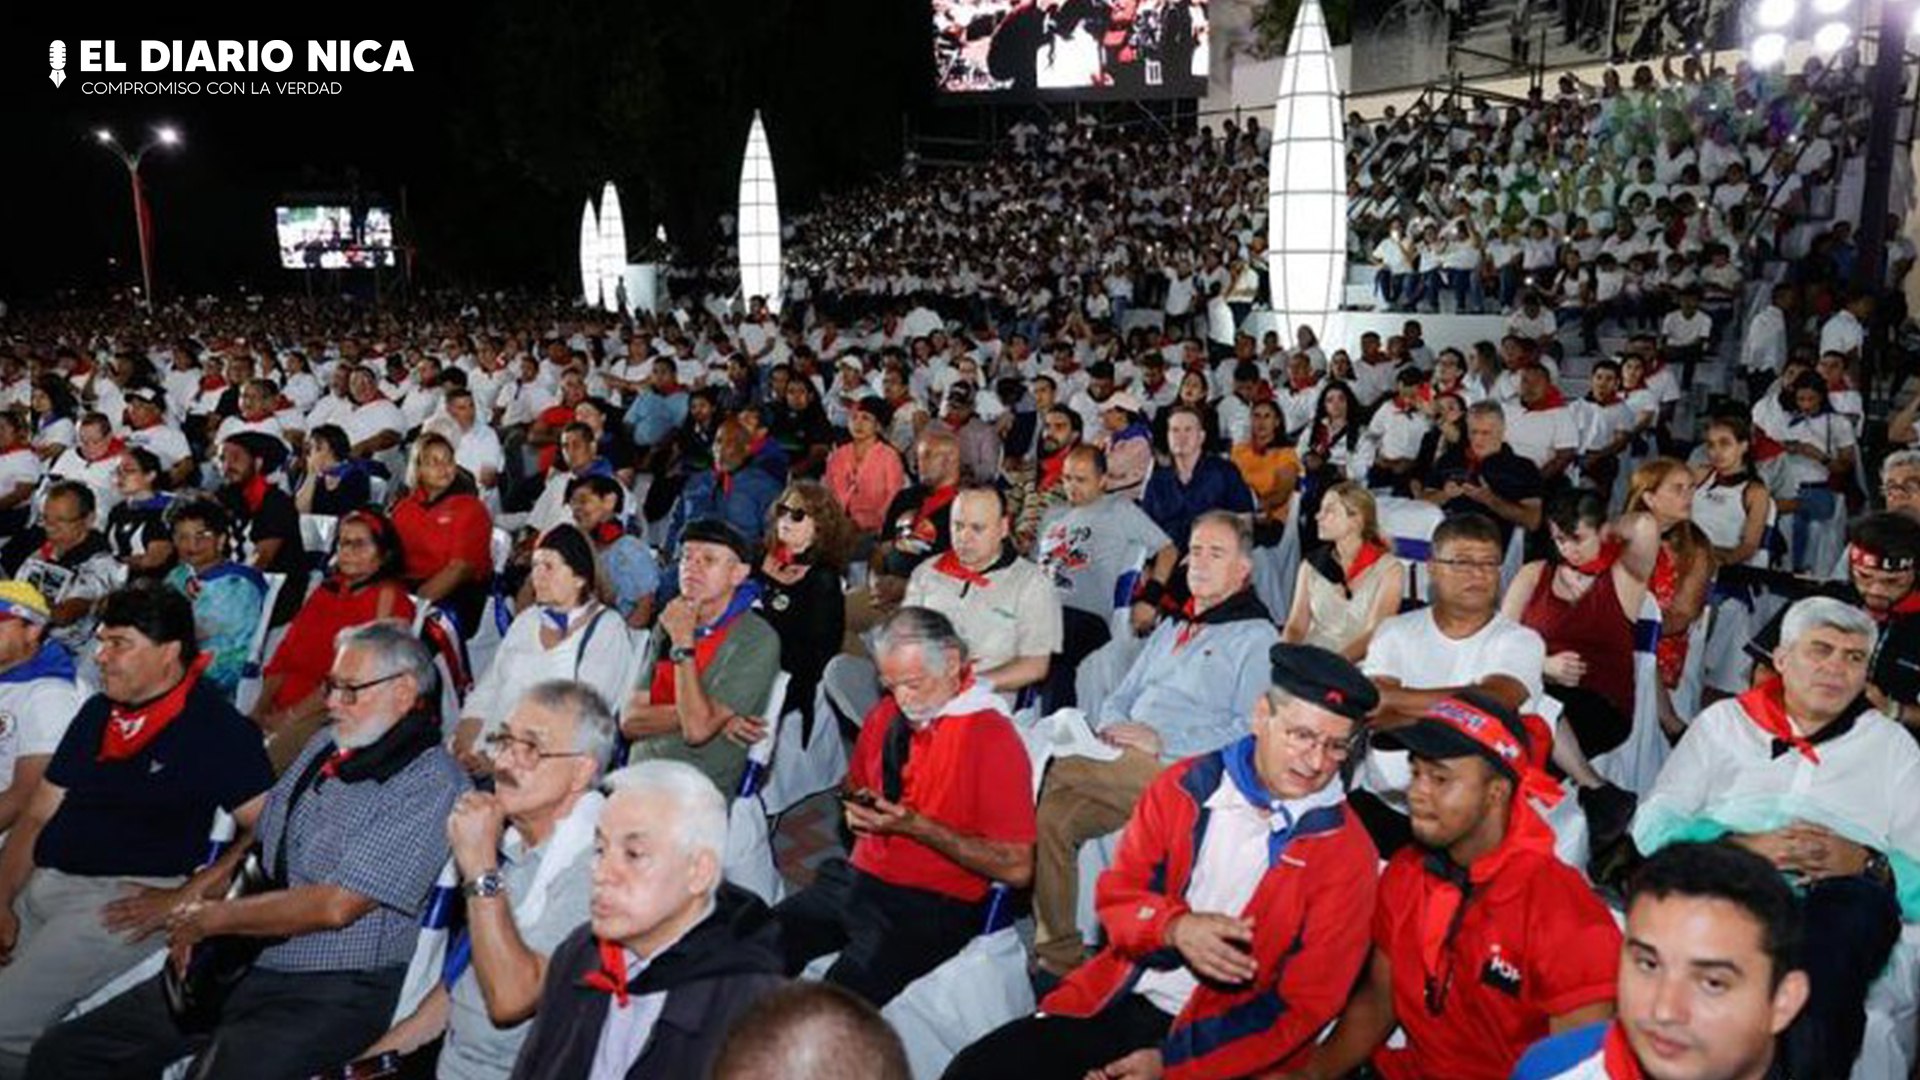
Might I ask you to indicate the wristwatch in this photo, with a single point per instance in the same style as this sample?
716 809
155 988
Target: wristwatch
679 654
490 883
1877 870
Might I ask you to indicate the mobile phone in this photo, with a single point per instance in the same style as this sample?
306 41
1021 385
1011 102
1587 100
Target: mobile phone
859 797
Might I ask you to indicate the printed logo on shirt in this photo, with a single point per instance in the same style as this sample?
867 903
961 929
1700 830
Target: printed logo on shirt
7 726
1501 974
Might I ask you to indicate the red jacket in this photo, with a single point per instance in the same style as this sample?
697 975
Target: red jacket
1310 930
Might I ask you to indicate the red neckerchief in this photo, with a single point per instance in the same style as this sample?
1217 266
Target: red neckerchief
1839 384
1051 468
1766 706
1474 461
1424 393
936 500
607 532
115 447
723 478
210 383
1904 607
1152 386
1616 1055
1407 408
330 768
1262 391
896 403
1765 447
611 978
1307 383
1362 561
783 557
706 643
254 492
1601 563
1552 399
950 565
130 730
1443 901
1189 625
758 442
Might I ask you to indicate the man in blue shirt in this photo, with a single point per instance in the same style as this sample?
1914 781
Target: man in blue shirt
1194 483
356 828
659 408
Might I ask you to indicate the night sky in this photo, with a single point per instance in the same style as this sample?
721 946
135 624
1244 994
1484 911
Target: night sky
512 116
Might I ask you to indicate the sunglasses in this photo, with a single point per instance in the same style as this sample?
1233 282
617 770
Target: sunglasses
795 513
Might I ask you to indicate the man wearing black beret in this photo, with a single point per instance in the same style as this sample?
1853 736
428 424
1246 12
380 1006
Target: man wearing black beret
1235 909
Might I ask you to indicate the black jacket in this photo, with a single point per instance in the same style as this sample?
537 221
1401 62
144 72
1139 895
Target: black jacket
713 974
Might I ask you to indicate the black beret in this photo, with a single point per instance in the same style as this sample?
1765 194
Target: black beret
715 531
1325 679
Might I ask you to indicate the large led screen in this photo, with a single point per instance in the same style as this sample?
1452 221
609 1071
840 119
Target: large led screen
1070 48
332 238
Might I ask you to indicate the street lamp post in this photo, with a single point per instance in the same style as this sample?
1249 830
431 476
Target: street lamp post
142 215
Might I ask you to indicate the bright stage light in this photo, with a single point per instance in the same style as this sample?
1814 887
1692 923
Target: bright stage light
613 247
168 136
759 226
1774 14
1767 50
1830 7
1831 38
590 255
1307 182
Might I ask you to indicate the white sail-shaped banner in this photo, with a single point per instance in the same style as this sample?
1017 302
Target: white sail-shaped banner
759 229
1307 183
613 247
590 254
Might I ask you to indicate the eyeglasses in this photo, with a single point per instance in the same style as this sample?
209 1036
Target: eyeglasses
1468 566
350 692
192 536
1904 488
501 744
796 513
1302 740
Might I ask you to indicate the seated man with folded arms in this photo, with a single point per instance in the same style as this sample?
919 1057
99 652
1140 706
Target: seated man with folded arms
1484 942
938 795
1803 771
524 853
1233 910
1710 976
1185 694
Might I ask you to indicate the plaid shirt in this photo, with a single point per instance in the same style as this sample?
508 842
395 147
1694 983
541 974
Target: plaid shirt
385 840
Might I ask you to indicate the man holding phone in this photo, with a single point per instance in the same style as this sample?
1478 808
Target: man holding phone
939 796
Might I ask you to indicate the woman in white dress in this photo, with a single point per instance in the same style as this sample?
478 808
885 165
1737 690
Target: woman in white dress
566 633
1732 507
1350 584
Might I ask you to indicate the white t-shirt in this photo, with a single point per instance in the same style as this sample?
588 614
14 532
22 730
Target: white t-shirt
33 717
165 443
1680 331
1398 434
1538 435
1842 333
1532 327
19 467
372 418
1411 650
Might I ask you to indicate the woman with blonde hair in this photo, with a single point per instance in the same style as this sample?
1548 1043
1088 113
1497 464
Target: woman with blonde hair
1348 585
809 540
1663 488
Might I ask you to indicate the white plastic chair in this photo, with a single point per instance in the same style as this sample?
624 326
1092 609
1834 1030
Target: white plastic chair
1735 612
1636 763
1893 1006
1275 569
1516 555
1409 525
982 988
749 857
802 769
248 690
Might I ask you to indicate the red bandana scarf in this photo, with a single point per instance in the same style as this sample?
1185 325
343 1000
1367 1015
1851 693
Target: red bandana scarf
1766 706
1052 467
611 978
254 492
1189 626
1616 1055
1552 399
936 500
950 565
1601 563
1362 562
132 729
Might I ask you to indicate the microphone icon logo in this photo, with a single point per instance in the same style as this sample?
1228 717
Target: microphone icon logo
57 60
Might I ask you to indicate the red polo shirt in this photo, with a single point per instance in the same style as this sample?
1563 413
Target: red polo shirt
967 770
1534 943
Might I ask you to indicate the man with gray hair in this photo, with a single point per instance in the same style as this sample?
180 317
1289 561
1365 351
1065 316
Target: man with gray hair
939 795
670 954
523 852
1900 482
356 829
1803 771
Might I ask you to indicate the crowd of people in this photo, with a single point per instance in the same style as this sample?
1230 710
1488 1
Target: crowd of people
484 606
